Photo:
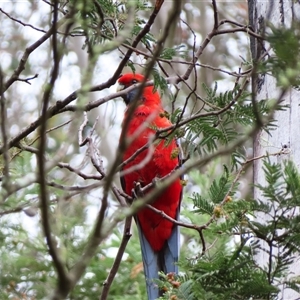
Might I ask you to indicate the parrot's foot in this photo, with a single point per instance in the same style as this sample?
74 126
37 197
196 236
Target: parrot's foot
137 191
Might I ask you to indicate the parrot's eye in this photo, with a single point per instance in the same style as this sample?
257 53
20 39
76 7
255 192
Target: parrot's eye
134 81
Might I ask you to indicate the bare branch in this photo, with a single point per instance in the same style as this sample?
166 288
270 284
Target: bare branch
244 29
50 130
78 172
144 162
29 50
20 22
27 80
82 141
120 195
63 280
3 124
73 188
216 19
134 155
95 157
11 211
117 261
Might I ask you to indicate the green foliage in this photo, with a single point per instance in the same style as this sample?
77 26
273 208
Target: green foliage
26 266
238 115
230 270
282 193
103 21
284 66
159 81
228 274
216 195
207 132
169 53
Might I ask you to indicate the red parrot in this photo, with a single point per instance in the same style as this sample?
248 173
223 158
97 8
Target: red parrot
159 238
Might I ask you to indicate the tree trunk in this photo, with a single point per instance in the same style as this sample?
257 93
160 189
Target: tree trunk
286 136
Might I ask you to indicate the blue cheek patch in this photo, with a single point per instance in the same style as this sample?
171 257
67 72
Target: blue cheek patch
131 96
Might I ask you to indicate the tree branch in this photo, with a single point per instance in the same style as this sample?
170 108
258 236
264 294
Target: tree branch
126 236
63 280
4 141
30 49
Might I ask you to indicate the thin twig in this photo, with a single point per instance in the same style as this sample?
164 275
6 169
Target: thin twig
22 23
73 188
142 163
27 80
79 172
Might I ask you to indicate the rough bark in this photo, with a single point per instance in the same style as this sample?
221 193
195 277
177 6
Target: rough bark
286 135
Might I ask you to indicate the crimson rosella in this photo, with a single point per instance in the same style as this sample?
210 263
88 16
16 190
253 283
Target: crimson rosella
159 237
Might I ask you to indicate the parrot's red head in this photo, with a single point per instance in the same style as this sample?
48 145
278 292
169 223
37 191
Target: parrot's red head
149 96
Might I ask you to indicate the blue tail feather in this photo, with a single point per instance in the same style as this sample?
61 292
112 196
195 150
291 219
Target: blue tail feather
154 262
